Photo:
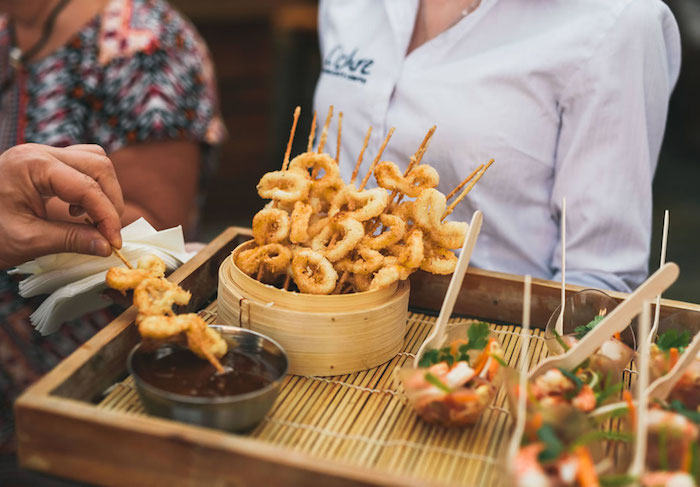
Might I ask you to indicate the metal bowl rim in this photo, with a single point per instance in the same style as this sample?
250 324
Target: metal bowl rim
195 400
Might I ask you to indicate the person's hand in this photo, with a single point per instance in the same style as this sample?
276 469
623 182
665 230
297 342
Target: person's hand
81 175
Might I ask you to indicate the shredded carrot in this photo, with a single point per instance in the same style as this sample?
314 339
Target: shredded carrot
483 358
493 369
586 474
687 455
617 336
627 396
534 426
673 357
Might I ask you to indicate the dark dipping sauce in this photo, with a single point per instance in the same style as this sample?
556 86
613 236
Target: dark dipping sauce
177 370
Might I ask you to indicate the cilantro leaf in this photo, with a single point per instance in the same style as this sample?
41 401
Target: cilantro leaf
582 331
680 408
553 445
478 335
673 339
429 358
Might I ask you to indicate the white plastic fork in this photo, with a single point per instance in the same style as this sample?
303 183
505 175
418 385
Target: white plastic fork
614 322
437 336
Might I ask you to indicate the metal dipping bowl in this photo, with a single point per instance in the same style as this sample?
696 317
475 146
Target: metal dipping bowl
237 413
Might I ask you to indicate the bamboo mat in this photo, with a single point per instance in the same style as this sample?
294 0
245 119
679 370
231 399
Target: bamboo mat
362 419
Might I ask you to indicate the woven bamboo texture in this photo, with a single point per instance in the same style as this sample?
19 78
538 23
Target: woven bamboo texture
362 419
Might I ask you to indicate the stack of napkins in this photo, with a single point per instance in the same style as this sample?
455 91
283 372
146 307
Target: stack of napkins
76 281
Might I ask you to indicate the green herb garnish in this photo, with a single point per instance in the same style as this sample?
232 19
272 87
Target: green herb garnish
577 382
617 480
680 408
553 445
582 331
598 435
673 339
560 341
431 378
608 390
478 335
498 359
429 358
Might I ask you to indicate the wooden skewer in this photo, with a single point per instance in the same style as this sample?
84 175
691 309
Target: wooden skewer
559 324
341 282
324 132
466 191
115 250
365 180
285 163
312 134
466 180
287 281
260 272
414 161
362 154
340 130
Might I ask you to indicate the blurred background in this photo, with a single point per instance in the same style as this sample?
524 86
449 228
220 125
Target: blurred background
266 54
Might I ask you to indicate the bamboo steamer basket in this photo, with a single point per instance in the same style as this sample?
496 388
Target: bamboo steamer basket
323 335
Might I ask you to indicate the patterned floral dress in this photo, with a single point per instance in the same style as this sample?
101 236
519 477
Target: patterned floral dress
136 72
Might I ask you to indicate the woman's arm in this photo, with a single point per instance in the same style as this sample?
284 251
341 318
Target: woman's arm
159 181
613 115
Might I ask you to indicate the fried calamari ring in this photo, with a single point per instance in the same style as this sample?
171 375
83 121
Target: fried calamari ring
270 225
351 233
275 258
397 230
156 296
361 282
285 186
388 275
123 279
429 208
301 215
317 224
369 260
421 177
316 162
313 273
412 252
204 341
360 205
439 260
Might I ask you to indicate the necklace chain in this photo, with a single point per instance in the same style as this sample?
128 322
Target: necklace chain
18 58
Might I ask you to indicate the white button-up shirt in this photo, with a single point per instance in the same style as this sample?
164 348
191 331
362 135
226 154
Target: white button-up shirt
568 96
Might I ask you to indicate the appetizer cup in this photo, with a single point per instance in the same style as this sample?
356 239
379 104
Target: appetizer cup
456 393
236 412
580 310
674 333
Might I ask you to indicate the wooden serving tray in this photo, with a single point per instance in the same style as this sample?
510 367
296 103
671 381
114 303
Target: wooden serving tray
84 421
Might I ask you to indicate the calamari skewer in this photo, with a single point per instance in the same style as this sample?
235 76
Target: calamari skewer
312 134
340 130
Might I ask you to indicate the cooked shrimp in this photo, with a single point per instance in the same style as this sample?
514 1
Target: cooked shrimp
313 273
270 225
123 279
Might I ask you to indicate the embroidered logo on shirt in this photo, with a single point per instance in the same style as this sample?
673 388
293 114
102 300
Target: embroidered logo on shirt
338 62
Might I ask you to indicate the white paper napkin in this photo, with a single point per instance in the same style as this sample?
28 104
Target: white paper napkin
76 281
